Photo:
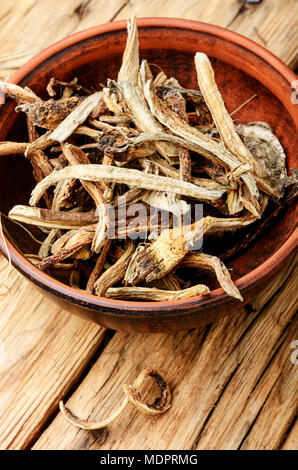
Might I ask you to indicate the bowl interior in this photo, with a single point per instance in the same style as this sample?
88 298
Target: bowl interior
239 75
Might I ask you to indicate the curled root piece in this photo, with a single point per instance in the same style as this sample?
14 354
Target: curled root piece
161 404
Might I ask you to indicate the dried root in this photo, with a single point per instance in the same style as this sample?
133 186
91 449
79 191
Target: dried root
208 147
45 248
76 240
75 156
133 99
99 267
222 119
132 395
69 87
267 150
161 404
19 94
224 122
75 118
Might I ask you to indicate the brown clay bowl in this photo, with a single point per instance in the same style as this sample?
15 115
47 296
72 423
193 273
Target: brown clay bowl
242 69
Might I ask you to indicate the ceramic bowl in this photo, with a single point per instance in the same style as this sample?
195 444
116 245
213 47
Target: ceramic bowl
242 69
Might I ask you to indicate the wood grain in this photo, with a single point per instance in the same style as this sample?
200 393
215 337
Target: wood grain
233 382
43 350
215 368
265 370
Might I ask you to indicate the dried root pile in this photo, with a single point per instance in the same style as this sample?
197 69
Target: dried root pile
142 140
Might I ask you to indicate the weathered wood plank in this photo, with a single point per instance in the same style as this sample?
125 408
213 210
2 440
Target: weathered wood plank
53 348
29 26
264 401
279 407
199 369
43 351
25 29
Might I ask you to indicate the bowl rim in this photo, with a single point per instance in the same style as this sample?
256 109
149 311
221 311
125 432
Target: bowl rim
121 307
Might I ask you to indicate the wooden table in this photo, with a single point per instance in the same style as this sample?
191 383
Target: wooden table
233 382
